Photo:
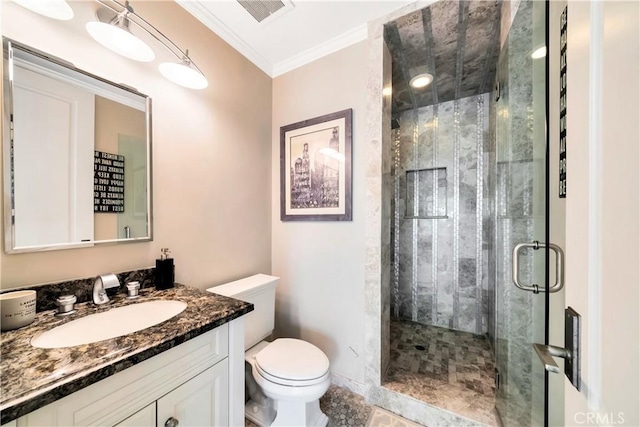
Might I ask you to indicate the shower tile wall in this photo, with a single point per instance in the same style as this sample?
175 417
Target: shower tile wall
440 262
386 194
489 222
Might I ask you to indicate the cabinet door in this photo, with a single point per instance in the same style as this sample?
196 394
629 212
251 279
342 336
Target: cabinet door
201 401
145 417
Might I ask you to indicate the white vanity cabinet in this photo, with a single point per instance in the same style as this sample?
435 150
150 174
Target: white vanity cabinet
144 417
201 401
198 402
197 383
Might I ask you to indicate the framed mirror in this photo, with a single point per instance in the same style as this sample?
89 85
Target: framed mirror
77 156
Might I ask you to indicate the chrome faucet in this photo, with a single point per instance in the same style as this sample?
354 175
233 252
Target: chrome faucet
100 286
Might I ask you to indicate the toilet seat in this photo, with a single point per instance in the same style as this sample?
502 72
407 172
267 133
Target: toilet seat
292 362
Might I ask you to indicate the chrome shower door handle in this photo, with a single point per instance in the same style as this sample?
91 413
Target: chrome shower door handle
559 283
515 267
546 353
570 352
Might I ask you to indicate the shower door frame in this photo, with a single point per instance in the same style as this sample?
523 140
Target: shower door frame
537 404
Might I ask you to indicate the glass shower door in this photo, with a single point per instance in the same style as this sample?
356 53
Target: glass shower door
521 189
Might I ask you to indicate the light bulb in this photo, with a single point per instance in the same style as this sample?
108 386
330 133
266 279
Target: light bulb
421 80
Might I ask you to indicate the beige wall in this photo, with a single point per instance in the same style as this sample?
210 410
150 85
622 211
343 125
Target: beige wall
320 297
557 211
113 118
211 162
602 209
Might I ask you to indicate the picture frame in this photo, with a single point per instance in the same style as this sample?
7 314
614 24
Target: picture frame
315 169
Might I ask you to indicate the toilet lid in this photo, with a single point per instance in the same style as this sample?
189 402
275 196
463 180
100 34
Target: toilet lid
292 359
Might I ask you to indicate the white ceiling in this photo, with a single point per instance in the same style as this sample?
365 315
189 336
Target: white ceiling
302 34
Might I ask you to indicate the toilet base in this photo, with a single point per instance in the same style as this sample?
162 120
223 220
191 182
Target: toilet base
292 413
259 414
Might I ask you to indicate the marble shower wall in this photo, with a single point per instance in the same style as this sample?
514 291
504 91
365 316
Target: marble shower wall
440 209
489 221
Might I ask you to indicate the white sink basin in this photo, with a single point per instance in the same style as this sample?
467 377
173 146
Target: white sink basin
109 324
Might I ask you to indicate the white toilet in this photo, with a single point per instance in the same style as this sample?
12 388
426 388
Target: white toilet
284 378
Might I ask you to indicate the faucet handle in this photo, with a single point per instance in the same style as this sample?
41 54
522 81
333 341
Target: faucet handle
133 289
65 305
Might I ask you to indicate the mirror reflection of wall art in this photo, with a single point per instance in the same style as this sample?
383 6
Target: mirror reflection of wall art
108 182
315 169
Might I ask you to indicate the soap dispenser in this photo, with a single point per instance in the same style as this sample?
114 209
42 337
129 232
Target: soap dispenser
165 270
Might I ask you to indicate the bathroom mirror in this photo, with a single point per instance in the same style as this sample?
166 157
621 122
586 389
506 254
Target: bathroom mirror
77 156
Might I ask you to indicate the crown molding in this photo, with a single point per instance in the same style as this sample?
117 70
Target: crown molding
330 46
273 70
226 34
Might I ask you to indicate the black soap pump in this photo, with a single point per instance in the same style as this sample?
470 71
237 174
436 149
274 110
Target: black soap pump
165 270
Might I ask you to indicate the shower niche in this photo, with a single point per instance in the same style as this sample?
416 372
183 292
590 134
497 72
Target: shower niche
426 193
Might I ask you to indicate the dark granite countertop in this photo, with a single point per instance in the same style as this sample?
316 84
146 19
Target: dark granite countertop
31 378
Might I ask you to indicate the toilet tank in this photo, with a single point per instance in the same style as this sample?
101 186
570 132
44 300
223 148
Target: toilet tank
259 290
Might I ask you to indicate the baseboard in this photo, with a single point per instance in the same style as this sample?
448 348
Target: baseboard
348 383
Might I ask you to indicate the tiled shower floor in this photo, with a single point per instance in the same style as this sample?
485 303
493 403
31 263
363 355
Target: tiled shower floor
452 370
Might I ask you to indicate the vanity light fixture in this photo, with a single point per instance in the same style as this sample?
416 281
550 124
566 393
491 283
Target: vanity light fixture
540 52
183 73
113 31
421 80
56 9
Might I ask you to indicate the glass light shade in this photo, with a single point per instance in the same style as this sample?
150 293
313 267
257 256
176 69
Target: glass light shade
421 80
183 75
540 52
56 9
120 41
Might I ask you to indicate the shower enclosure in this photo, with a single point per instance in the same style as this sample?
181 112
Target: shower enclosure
469 183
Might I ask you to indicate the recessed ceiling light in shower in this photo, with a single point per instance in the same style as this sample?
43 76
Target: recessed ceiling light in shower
421 80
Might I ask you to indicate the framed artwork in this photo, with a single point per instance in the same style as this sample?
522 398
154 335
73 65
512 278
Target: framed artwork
315 169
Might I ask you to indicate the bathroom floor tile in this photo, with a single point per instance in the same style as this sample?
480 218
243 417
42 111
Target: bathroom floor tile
343 407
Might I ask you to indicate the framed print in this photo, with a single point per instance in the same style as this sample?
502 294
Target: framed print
315 169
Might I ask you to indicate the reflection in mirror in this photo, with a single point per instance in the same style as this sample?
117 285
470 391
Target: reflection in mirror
76 156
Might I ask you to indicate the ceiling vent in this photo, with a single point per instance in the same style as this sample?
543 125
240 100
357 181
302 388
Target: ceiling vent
263 9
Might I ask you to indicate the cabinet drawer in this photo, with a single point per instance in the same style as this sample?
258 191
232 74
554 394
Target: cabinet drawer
145 417
113 399
202 401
